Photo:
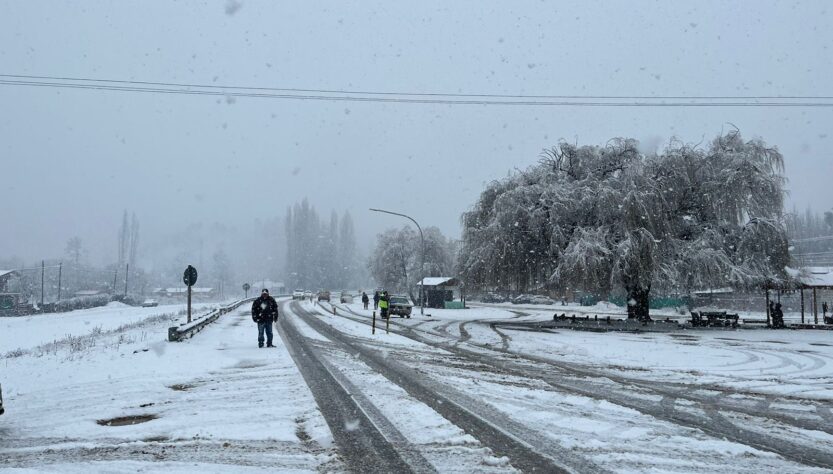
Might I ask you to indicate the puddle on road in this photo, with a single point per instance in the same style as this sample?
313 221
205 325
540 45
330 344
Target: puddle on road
127 420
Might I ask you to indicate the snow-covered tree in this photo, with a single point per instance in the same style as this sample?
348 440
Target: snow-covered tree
319 255
611 218
395 262
347 251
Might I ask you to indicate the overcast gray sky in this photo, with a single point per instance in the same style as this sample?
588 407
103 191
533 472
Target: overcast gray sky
73 160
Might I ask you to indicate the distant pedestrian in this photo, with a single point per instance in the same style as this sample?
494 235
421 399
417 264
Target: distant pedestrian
376 298
778 317
384 304
365 300
264 313
824 308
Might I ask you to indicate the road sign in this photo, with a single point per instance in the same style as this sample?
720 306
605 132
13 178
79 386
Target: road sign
190 276
246 287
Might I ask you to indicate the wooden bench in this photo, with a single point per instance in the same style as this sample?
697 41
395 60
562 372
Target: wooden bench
713 318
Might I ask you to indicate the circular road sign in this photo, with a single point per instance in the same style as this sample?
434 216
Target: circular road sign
246 286
190 276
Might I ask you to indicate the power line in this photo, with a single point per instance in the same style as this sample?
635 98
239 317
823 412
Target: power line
414 98
418 94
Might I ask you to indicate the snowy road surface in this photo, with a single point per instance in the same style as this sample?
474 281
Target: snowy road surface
455 392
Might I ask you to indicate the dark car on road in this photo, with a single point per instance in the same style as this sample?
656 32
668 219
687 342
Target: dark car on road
323 295
401 306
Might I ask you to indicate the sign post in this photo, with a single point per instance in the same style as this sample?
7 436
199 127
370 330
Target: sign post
246 288
189 278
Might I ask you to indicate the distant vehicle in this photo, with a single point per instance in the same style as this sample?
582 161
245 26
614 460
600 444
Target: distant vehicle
150 303
307 294
323 295
532 299
298 294
400 305
345 297
492 297
2 410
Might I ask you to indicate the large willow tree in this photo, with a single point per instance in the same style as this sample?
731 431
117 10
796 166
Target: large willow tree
613 219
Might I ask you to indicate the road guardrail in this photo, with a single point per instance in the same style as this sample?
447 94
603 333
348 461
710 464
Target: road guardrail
187 330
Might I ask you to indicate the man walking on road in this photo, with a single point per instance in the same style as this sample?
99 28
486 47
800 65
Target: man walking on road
264 313
375 301
366 300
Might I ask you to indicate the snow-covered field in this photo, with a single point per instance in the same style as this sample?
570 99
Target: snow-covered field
214 398
688 401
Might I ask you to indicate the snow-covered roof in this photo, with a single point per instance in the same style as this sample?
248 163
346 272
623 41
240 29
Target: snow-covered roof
435 281
813 276
5 272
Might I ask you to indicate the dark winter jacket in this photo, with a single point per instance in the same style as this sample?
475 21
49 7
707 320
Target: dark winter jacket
264 309
376 297
365 299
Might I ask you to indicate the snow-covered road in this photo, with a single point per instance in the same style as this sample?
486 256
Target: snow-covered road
456 392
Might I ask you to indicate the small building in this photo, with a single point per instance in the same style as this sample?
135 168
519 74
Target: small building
5 276
442 290
9 302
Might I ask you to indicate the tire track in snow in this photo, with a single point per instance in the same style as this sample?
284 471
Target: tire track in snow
357 426
579 381
526 449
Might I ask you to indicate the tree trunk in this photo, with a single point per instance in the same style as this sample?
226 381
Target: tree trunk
638 299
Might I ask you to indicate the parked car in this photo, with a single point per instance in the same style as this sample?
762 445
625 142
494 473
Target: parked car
532 299
323 295
149 303
400 305
492 297
298 294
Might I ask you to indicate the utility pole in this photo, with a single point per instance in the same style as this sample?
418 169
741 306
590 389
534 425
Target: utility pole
42 272
115 276
60 269
126 275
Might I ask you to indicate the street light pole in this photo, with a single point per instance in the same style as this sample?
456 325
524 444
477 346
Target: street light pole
422 266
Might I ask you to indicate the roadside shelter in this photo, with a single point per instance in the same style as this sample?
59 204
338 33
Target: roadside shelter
442 292
815 281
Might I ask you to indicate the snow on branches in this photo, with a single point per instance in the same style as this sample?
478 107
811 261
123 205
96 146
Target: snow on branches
611 218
